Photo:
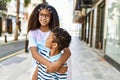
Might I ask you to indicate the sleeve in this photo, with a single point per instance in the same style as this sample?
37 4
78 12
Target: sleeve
32 40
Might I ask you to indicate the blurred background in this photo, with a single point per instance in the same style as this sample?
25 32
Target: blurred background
93 24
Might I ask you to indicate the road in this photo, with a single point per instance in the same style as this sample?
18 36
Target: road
8 49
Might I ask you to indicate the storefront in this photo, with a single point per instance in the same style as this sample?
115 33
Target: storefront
113 32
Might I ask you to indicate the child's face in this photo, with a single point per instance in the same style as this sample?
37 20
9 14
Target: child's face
49 41
44 17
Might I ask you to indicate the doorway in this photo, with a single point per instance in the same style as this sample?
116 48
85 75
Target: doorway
100 26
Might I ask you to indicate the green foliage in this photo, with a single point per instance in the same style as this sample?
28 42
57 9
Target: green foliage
3 4
7 0
26 2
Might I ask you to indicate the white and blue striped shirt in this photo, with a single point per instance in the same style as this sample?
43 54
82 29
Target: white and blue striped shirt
42 74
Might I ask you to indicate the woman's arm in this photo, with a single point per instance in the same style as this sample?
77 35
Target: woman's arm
38 57
64 57
33 48
54 67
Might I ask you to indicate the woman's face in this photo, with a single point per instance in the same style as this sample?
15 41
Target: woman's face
44 17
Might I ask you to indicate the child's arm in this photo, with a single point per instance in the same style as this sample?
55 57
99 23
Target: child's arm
54 67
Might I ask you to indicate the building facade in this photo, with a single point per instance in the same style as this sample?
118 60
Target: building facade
113 32
8 18
101 28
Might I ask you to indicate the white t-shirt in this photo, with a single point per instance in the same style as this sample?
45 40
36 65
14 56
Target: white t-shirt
35 38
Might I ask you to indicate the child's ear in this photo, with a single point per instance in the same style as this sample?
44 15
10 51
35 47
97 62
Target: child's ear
55 45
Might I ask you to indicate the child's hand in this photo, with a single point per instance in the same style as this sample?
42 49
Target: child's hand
53 67
62 69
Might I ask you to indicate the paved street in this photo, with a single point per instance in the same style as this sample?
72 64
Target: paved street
85 64
12 47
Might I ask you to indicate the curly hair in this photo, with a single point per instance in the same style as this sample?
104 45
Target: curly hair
62 38
34 23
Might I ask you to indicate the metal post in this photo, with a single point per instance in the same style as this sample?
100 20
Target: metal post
5 35
26 46
5 38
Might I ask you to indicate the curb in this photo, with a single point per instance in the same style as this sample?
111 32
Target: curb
3 43
11 55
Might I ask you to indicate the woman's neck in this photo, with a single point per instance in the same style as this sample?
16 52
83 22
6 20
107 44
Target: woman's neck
44 28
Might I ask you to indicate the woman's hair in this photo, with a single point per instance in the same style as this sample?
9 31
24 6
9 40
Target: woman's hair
34 23
62 38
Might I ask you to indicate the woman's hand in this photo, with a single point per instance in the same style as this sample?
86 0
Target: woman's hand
62 69
53 67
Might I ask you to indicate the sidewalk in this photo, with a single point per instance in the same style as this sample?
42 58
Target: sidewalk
16 68
10 39
85 64
88 65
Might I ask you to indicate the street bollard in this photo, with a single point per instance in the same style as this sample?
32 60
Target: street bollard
26 46
5 35
5 39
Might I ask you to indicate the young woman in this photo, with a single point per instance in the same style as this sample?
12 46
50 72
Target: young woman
42 20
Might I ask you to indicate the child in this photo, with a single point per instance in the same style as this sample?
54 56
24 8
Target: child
55 43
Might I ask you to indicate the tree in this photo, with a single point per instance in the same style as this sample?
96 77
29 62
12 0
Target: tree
17 20
3 4
26 3
44 1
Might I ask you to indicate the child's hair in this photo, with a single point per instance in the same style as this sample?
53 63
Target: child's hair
34 23
62 38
